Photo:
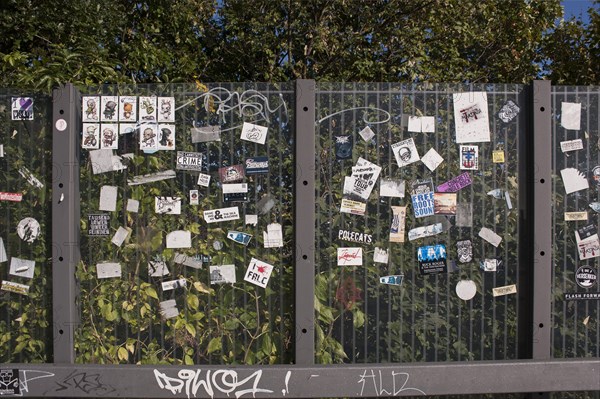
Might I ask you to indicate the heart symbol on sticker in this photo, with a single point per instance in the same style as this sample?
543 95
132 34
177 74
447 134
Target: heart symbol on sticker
25 103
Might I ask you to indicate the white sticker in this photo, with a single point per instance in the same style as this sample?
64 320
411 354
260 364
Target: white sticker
424 231
14 287
397 227
21 267
133 205
104 161
471 117
152 177
490 236
588 248
392 188
350 256
273 237
251 219
575 216
573 180
168 309
428 124
127 128
109 108
507 289
466 289
167 205
222 274
254 133
432 159
571 145
414 124
61 125
570 116
28 230
189 160
108 198
469 157
149 136
173 284
188 261
91 136
203 180
120 236
90 107
221 215
3 257
166 137
179 239
258 273
127 109
229 188
194 197
157 268
353 207
147 111
108 270
367 134
166 109
380 255
405 152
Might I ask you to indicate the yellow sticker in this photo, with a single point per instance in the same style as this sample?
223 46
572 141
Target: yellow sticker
498 156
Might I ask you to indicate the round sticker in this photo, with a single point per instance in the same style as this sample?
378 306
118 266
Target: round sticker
466 289
585 277
61 125
217 245
28 229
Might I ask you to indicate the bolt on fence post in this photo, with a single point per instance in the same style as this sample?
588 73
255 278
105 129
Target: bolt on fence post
305 222
65 219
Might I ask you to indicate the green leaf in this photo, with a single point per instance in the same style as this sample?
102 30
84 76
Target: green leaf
214 345
151 292
123 354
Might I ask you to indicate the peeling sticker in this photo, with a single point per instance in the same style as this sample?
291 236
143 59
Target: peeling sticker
152 177
104 161
251 219
108 198
432 259
221 215
490 265
508 201
350 256
490 236
21 267
405 152
586 321
173 284
594 205
3 256
258 273
28 230
14 287
464 250
217 245
392 188
265 204
157 268
392 280
168 309
222 274
596 174
254 133
205 134
273 237
464 215
167 205
239 237
496 193
397 227
380 255
573 180
108 270
505 290
455 184
120 236
179 239
424 231
466 289
432 159
188 261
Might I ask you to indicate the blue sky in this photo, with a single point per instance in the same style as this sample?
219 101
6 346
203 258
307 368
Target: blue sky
575 8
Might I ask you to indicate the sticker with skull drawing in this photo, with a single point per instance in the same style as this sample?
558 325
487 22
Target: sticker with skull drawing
464 250
109 136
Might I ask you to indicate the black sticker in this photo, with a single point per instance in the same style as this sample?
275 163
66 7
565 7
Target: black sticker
257 165
99 225
586 231
586 277
9 382
581 296
432 259
343 147
235 197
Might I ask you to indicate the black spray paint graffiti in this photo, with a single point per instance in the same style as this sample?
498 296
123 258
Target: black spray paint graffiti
396 382
224 381
89 384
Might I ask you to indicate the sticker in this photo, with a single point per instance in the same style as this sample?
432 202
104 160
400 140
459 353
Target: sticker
167 205
109 106
508 201
273 237
471 117
490 265
455 184
405 152
127 128
594 205
466 289
9 382
60 125
31 179
596 174
506 290
496 193
414 124
108 198
21 267
3 257
343 147
254 133
133 205
14 197
349 256
236 192
120 236
392 280
570 116
28 229
194 197
380 255
257 165
366 134
464 250
203 180
432 259
91 136
173 284
464 215
469 157
221 215
222 274
104 161
108 270
149 137
428 124
352 236
14 287
423 204
157 268
265 204
206 134
239 237
362 181
166 137
490 236
391 188
166 109
586 320
231 174
258 273
147 108
353 207
586 277
498 156
508 111
444 203
22 109
90 107
251 219
397 228
424 231
569 296
217 245
168 309
586 231
152 177
189 160
179 239
432 159
571 145
588 248
99 225
127 109
189 261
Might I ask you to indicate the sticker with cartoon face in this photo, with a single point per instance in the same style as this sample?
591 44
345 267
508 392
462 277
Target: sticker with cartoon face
147 111
91 136
166 137
166 109
127 109
109 136
90 109
464 250
149 136
108 108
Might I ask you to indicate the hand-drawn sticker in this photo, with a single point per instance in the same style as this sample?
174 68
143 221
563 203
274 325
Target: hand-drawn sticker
471 117
343 147
168 309
91 136
166 137
508 111
351 256
380 255
194 197
203 180
149 136
570 116
108 270
586 277
353 236
121 235
239 237
466 289
222 274
366 134
133 205
405 152
588 248
490 236
455 184
205 134
432 159
231 174
109 136
257 165
189 160
392 188
179 239
90 106
147 109
221 215
258 273
21 267
17 288
127 109
166 109
587 231
425 231
432 259
397 227
174 284
109 106
576 216
254 133
151 177
273 237
167 205
396 279
22 109
9 382
108 198
99 225
28 229
464 250
469 157
444 203
13 197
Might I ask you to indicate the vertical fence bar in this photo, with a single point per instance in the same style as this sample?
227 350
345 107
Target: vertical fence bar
542 257
65 220
305 221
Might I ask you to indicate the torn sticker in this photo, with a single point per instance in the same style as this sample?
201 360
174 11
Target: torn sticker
508 111
127 109
392 188
432 259
397 227
353 236
471 117
231 174
108 198
350 256
254 133
149 137
221 215
194 262
3 256
570 116
173 284
496 193
464 215
205 134
133 205
127 128
166 137
432 159
108 270
168 309
505 290
189 160
459 182
31 179
571 145
22 109
273 237
28 229
258 273
424 231
99 225
573 180
120 236
575 216
239 237
222 274
343 147
109 106
498 156
157 268
194 197
466 289
405 152
490 236
21 267
147 110
366 134
251 219
469 157
179 239
257 165
464 250
586 277
380 255
166 109
594 205
444 203
90 106
14 287
353 207
203 180
91 136
152 177
104 161
396 279
265 204
490 265
13 197
359 185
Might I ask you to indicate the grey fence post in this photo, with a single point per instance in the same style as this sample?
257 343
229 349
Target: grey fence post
542 258
65 219
305 222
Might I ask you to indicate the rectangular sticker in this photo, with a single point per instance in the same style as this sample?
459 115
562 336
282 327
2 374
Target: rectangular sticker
353 207
432 259
508 111
205 134
588 248
444 203
222 274
239 237
251 219
424 231
147 109
380 255
90 106
576 296
397 228
571 145
120 236
498 156
258 273
127 109
91 136
405 152
392 188
166 137
505 290
108 198
273 237
221 215
22 108
203 180
423 204
157 268
190 261
109 106
167 205
166 109
232 174
392 280
179 239
570 116
254 133
189 160
133 205
455 184
149 137
469 157
173 284
257 165
9 382
471 117
14 197
108 270
99 225
576 216
194 197
168 309
14 287
3 256
354 236
349 256
21 267
490 236
464 215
